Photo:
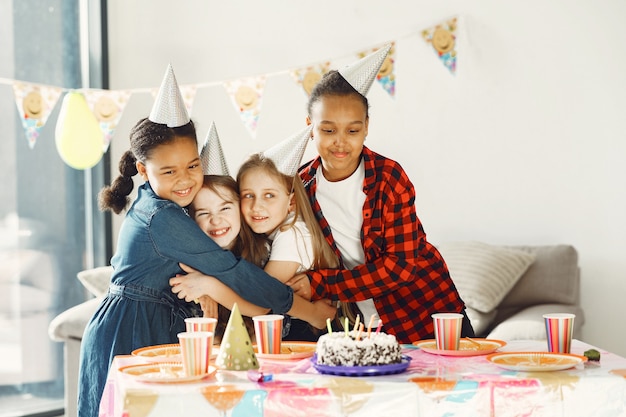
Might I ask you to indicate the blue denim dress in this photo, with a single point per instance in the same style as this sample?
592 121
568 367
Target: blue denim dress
140 309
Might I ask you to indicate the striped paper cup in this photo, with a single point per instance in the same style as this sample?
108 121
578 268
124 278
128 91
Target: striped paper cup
200 324
447 330
559 330
195 349
268 330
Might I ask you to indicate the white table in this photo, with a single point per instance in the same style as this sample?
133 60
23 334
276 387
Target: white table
432 386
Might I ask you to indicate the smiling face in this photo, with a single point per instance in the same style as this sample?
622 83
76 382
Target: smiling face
174 171
339 127
217 213
265 203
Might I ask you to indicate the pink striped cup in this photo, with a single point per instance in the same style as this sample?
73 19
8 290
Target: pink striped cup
447 330
559 330
195 349
268 330
200 324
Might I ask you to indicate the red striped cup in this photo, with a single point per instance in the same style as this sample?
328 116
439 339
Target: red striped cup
447 330
559 330
200 324
195 349
268 330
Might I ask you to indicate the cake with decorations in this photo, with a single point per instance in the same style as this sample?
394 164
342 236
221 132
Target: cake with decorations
341 349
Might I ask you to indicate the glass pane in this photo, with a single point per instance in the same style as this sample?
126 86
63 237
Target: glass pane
44 214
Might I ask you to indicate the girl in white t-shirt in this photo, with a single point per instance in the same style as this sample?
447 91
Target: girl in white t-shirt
275 205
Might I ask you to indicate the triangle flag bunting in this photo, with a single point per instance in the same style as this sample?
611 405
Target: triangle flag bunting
307 77
246 95
443 40
34 104
107 106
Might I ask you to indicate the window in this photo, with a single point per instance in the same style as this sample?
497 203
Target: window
50 227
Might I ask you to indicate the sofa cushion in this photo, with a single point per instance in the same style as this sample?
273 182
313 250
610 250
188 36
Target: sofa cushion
482 273
96 280
552 279
480 321
528 324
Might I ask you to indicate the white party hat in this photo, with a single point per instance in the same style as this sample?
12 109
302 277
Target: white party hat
362 73
236 351
287 155
212 156
169 107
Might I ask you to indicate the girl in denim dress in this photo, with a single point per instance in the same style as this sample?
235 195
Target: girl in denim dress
139 309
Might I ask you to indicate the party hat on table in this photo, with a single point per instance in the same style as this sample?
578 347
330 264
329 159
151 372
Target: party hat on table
236 351
169 107
212 156
362 73
287 155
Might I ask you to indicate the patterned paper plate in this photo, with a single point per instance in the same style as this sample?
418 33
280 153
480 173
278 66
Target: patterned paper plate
163 373
535 361
164 353
474 347
374 370
159 353
290 350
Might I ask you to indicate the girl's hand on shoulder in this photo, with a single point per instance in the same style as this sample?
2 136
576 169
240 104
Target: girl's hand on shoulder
190 287
300 285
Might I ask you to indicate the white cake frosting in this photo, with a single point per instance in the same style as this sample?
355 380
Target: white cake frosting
339 350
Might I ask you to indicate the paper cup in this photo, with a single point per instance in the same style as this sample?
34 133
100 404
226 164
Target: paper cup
195 349
268 330
200 324
559 330
447 330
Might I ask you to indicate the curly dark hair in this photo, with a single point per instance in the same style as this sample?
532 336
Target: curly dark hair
145 136
333 84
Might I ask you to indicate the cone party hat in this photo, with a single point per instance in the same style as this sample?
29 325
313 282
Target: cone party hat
169 107
212 156
287 155
362 73
236 351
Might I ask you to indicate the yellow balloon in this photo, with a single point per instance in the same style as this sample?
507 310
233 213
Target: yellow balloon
78 135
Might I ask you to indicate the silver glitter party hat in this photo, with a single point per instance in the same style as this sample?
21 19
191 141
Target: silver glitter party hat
212 156
169 108
362 73
287 155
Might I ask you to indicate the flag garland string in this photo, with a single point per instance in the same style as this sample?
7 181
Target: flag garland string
35 101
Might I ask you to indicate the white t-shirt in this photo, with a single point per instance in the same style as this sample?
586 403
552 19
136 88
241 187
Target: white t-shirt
345 218
293 244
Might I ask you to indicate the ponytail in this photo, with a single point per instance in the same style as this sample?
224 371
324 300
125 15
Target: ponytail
115 196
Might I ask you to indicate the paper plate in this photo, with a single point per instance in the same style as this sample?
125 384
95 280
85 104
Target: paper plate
535 361
159 353
163 373
466 347
289 351
164 353
373 370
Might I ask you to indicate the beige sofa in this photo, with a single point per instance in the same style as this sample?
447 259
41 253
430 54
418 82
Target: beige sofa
506 290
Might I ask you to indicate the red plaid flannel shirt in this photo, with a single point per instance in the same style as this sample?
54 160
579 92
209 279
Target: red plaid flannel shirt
404 274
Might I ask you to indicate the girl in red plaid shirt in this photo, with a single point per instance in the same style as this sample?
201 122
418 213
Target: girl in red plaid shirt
364 203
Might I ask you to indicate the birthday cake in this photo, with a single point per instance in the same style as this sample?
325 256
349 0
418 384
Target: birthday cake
339 349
